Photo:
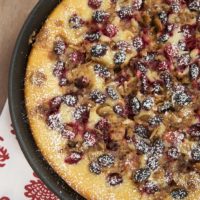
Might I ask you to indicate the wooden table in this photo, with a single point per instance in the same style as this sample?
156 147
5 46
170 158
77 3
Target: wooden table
12 16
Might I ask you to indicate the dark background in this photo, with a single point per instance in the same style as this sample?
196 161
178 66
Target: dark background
12 16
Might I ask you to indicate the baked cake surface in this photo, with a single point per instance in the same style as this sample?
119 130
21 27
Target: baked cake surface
112 95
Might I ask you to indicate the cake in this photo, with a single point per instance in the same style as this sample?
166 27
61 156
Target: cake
112 92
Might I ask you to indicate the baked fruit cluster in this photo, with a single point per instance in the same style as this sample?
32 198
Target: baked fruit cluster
113 97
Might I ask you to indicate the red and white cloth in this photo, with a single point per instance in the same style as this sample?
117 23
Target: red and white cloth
17 179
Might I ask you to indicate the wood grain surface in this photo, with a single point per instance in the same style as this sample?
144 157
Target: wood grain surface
12 16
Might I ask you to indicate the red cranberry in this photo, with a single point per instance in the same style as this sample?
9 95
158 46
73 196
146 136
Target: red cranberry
59 47
94 4
102 71
137 4
82 113
194 5
68 134
59 69
122 77
54 122
73 158
133 105
163 17
112 93
114 179
152 162
103 125
158 147
174 137
150 188
77 57
155 121
63 81
125 13
81 82
142 131
179 193
194 130
194 71
188 30
55 103
119 57
195 154
110 30
89 139
142 146
138 43
171 51
144 84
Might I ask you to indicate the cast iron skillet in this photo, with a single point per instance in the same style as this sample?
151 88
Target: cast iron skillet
17 106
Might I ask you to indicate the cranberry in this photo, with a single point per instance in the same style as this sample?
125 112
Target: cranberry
174 137
82 114
122 77
125 13
75 22
70 99
119 58
68 134
148 103
93 36
182 45
59 69
81 82
103 125
152 162
150 188
188 30
194 71
184 60
173 153
112 93
98 97
123 46
171 51
141 175
155 121
94 4
59 47
73 158
138 43
99 50
142 131
100 16
194 130
102 71
95 168
163 65
195 154
77 57
89 139
118 109
110 30
106 160
112 145
137 4
114 179
138 66
55 103
179 193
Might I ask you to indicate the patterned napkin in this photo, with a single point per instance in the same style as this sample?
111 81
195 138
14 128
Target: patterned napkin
17 179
